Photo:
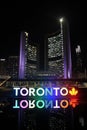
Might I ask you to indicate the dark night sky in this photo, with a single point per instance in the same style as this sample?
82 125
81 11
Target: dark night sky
39 18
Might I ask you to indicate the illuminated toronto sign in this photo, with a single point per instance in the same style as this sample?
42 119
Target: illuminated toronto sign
31 98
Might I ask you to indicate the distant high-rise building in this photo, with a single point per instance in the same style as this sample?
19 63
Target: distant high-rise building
78 71
3 66
78 58
12 66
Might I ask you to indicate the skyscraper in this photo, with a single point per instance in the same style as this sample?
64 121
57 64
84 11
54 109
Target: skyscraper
12 66
55 55
28 63
78 69
58 52
79 60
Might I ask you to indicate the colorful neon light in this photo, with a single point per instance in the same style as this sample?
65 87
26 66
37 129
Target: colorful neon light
74 102
41 104
73 92
40 91
53 97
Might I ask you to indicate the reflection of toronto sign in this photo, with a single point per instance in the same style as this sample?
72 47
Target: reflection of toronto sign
54 97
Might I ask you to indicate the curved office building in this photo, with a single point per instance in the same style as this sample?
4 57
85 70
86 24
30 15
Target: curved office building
56 54
28 61
59 52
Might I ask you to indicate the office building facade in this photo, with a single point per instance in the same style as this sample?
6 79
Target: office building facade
28 62
12 66
57 54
